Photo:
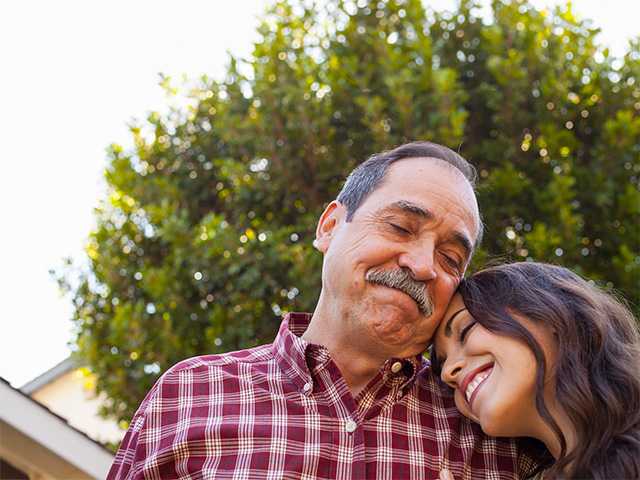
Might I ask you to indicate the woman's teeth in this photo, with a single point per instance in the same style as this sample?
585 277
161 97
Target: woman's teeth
475 383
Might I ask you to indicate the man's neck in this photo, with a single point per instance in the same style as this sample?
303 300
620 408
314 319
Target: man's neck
357 365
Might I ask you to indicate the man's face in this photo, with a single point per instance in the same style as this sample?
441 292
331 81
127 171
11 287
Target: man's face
423 220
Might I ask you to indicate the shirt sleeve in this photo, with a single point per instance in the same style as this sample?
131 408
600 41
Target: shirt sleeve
134 449
149 449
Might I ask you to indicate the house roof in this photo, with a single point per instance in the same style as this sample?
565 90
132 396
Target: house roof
52 431
49 376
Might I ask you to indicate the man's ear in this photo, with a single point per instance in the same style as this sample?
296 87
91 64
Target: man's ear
332 216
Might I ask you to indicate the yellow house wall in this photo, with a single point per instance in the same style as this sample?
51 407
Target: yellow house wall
72 396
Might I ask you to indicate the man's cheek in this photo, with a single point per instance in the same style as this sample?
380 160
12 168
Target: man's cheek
450 286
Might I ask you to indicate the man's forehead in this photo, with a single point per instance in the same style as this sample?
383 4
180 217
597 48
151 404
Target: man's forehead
430 173
427 163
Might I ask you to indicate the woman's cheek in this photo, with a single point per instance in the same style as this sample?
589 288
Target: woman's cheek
479 342
461 404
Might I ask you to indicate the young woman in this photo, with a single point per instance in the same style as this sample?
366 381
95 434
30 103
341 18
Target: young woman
533 350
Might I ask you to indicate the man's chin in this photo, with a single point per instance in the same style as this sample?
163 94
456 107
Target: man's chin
395 302
394 327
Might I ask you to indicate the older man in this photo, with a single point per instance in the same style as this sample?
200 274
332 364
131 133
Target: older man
343 393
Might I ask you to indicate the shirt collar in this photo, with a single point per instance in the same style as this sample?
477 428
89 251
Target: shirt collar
295 355
290 349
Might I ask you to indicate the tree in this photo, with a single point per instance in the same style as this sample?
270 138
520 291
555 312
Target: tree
205 237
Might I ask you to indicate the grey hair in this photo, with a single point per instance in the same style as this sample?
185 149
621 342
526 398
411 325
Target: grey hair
368 176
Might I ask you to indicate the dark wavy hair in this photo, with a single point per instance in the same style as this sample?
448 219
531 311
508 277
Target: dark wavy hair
598 365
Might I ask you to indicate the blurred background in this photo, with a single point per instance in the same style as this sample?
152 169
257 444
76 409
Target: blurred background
164 165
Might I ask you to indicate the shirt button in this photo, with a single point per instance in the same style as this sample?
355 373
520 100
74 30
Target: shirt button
307 387
396 367
351 426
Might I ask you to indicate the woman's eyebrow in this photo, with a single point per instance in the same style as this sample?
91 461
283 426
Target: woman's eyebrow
447 328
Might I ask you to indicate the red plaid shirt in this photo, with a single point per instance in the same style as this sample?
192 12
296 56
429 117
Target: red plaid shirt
284 411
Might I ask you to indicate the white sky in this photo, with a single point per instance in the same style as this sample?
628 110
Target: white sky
73 75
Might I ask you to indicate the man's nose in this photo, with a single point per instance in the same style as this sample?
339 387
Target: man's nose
420 261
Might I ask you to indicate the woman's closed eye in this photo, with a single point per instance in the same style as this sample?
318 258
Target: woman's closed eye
466 330
439 360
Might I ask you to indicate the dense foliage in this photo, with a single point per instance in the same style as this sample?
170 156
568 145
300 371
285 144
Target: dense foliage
205 237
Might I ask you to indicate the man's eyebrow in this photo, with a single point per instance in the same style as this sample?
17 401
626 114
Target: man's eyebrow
463 241
447 327
417 210
410 208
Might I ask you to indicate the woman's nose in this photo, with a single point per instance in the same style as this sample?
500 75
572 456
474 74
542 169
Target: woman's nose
451 372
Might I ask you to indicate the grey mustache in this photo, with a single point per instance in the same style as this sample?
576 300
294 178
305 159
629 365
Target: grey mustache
402 280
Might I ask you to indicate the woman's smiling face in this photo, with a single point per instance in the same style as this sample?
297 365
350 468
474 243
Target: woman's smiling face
494 376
